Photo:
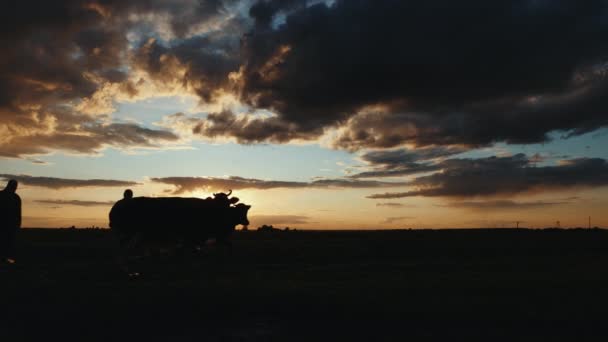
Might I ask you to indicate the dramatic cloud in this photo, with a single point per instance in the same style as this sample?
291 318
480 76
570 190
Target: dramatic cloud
404 170
199 65
403 162
65 64
505 175
188 184
246 129
431 72
89 138
62 183
360 74
75 203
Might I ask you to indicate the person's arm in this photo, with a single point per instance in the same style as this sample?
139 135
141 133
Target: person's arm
18 212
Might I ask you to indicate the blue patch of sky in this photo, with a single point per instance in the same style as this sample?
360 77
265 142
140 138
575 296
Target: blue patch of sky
152 110
24 166
273 162
140 34
589 145
279 162
281 17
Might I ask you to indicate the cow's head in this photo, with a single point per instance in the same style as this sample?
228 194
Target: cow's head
222 195
240 214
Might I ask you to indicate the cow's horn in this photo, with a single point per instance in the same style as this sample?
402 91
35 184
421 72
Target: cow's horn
229 192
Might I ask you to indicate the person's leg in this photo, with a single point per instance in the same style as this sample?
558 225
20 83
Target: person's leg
11 242
4 243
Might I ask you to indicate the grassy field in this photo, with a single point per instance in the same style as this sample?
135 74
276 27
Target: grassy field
493 285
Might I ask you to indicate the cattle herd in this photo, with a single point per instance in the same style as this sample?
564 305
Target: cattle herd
188 222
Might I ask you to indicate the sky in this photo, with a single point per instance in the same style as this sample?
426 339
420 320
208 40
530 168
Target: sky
348 114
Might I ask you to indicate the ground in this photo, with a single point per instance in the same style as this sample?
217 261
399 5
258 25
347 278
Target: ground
491 285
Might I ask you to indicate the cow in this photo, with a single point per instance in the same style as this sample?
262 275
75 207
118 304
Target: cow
176 220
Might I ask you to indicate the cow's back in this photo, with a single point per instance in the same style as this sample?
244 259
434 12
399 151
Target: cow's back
161 215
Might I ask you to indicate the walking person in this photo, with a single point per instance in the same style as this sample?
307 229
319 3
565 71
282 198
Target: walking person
10 221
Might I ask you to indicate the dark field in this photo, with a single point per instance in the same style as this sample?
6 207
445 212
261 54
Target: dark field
511 285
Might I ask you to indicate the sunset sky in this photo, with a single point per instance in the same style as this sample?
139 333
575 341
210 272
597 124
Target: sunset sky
320 114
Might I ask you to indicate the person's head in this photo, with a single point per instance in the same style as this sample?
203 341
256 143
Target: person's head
127 194
11 186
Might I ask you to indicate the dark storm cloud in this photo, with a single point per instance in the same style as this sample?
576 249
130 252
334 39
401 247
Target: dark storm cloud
64 62
53 48
75 203
404 170
502 205
395 158
199 64
246 129
62 183
469 72
183 16
88 138
384 72
505 175
24 17
574 111
403 162
188 184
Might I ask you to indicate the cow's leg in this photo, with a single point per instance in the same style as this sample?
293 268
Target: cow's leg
123 242
132 243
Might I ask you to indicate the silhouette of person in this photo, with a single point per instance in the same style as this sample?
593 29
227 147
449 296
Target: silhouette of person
10 221
118 208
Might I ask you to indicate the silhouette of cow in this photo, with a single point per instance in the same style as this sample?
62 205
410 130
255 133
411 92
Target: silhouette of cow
176 220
